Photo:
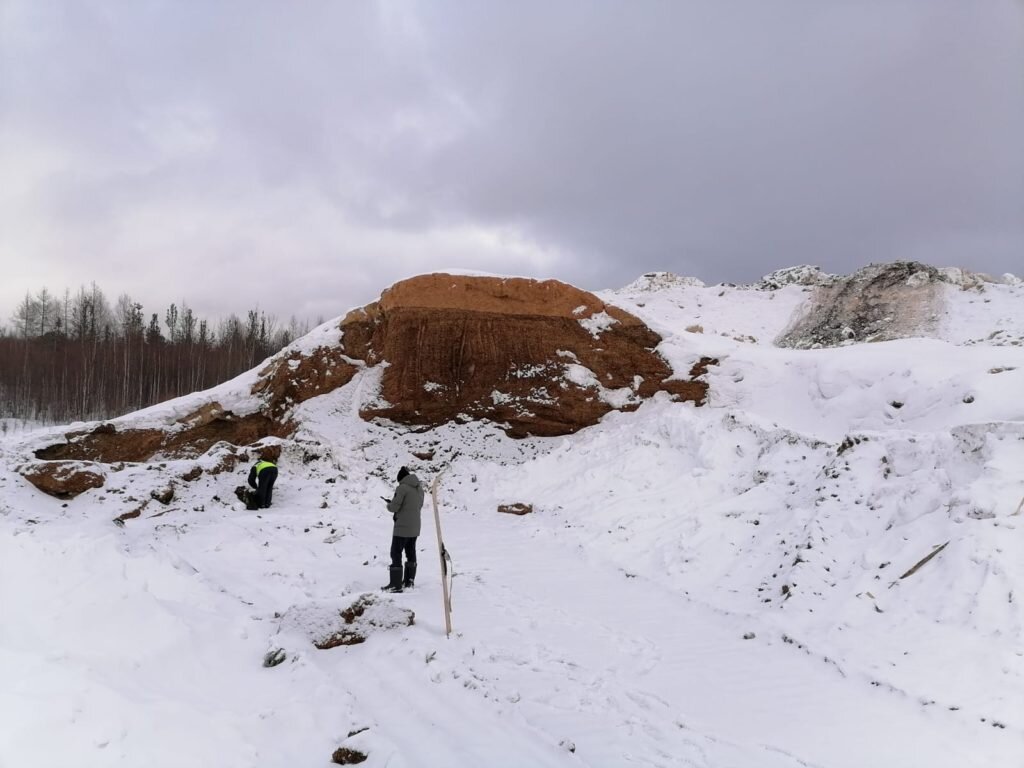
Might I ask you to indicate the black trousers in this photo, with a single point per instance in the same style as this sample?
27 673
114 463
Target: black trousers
265 486
400 544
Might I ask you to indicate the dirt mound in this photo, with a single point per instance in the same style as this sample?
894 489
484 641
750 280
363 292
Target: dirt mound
541 357
63 479
878 303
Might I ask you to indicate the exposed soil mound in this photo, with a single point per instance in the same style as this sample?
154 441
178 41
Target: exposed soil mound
543 358
878 303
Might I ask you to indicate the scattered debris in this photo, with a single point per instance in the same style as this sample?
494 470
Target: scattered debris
516 509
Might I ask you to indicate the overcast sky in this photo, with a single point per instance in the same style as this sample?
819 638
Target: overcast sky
304 155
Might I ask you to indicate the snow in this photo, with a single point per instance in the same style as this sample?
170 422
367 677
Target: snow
583 377
598 323
716 586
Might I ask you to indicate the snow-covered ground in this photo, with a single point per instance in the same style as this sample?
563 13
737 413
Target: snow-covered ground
731 585
10 427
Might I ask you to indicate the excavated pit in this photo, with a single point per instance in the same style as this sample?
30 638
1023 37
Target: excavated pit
107 445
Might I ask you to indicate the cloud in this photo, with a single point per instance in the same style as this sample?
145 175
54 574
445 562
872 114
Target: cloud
303 157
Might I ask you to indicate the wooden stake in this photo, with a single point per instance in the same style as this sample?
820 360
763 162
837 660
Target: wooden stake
445 560
922 561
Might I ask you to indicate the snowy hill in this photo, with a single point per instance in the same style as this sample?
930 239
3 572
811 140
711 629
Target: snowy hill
742 584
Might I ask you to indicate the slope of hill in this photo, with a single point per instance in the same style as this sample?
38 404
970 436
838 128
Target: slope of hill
742 584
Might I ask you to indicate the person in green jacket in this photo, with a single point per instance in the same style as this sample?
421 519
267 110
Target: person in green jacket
262 477
405 506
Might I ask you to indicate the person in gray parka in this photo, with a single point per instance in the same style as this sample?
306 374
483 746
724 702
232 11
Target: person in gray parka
405 506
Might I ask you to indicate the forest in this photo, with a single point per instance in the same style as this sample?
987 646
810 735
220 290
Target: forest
77 356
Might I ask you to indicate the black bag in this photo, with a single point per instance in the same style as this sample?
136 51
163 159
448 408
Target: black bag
247 496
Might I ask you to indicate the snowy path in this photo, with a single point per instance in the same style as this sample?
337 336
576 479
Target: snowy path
662 680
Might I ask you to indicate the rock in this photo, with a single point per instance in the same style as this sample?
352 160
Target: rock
274 657
346 756
192 474
515 509
423 455
164 495
63 479
880 302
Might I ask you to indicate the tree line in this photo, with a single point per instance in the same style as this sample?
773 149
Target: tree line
79 357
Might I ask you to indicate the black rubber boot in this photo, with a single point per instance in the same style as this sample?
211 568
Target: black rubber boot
410 575
395 585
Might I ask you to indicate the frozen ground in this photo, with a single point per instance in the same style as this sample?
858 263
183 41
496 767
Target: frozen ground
696 587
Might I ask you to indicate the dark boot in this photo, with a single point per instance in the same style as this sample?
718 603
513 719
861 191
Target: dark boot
395 585
410 575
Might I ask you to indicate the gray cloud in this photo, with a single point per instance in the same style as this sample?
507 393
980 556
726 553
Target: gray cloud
304 156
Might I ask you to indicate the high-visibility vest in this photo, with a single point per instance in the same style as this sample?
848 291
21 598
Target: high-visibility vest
261 465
